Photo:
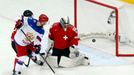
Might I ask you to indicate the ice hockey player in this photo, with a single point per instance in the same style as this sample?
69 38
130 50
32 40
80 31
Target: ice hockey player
27 41
64 41
19 23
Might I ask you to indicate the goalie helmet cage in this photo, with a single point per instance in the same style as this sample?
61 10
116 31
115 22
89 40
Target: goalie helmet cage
115 9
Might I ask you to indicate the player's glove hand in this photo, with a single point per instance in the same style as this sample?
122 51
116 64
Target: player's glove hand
18 24
37 47
29 53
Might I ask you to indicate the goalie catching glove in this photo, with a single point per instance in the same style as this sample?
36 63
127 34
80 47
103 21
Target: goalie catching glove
38 48
73 51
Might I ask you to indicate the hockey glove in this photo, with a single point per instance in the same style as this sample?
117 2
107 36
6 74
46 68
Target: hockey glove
37 47
29 53
18 24
74 52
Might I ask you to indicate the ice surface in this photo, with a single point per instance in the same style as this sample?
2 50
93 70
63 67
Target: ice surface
103 62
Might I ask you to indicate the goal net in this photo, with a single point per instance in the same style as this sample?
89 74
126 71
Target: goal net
106 21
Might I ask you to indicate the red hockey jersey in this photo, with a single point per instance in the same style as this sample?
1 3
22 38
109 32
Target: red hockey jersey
63 38
18 23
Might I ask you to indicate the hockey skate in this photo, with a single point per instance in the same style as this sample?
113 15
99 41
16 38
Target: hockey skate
16 73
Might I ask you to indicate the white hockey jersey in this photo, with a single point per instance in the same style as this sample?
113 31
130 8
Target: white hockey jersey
32 33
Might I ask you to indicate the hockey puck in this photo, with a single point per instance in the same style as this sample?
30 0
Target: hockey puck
93 40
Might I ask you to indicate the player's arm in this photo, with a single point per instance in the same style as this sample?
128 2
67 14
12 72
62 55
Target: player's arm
74 43
18 24
74 37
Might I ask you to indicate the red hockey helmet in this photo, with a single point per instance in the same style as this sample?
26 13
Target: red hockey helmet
43 18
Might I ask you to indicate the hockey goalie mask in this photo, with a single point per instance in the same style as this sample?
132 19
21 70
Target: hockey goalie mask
64 22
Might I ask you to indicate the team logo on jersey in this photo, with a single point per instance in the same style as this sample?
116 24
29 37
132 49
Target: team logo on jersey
29 36
65 37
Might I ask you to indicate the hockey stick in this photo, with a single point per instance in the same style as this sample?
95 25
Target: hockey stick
46 60
48 52
41 55
29 41
25 35
27 63
48 64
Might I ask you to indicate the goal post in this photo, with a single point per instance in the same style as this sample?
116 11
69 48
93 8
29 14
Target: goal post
101 19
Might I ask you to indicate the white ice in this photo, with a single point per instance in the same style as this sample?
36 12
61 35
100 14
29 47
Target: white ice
103 62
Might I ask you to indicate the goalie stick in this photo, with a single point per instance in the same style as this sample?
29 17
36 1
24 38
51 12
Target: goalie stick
48 52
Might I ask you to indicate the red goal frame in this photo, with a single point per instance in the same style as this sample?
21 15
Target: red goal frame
116 23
